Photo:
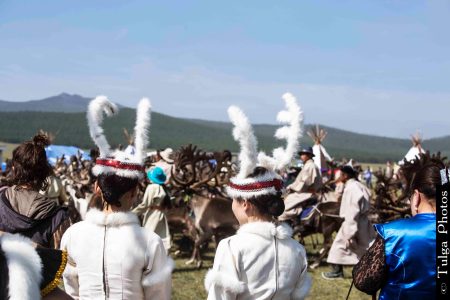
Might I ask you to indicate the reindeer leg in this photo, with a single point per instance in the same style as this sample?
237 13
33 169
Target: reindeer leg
193 256
203 238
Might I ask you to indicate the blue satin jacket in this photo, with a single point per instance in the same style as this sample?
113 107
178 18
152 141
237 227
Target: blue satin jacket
410 249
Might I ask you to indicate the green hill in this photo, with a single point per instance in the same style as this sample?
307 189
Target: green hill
71 129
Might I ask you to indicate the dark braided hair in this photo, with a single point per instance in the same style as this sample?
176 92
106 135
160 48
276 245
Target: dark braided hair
267 205
30 165
423 174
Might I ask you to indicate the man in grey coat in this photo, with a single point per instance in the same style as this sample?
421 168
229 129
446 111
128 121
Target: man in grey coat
307 183
356 232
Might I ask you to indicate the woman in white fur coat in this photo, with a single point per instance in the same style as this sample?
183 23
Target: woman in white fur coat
110 256
262 261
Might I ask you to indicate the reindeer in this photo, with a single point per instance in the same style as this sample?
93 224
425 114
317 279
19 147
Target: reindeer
390 201
196 178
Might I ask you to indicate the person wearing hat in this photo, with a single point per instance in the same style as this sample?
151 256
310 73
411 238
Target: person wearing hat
307 183
109 254
356 232
165 162
156 199
262 260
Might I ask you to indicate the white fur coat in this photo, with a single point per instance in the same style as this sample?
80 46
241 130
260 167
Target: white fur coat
261 261
113 257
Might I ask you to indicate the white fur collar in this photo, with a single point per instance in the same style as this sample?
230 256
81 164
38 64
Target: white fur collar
112 220
24 267
267 230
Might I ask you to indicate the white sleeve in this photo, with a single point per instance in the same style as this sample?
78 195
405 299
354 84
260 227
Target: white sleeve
222 281
157 277
304 282
70 275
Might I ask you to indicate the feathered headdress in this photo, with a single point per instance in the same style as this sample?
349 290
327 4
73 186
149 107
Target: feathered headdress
241 186
118 162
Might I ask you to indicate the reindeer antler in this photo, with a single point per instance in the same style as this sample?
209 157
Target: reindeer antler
128 137
243 133
221 158
292 132
95 118
186 159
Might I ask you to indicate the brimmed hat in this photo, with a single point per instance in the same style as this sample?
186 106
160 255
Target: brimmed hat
241 186
167 155
307 150
128 164
157 175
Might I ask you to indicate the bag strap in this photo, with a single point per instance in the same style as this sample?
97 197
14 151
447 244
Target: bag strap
349 291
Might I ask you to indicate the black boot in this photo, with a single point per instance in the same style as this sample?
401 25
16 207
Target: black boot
337 271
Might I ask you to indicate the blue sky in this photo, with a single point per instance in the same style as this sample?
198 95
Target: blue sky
378 67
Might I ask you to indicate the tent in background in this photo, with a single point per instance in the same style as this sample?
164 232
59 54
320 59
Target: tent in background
415 150
57 151
321 156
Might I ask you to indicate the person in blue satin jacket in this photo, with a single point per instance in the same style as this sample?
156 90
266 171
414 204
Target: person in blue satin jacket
402 260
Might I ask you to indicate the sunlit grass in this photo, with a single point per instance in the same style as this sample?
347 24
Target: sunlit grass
188 280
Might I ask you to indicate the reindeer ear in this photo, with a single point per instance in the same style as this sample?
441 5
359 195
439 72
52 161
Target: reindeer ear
142 127
243 133
95 118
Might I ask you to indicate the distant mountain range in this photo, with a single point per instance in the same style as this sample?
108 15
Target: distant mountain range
61 103
65 115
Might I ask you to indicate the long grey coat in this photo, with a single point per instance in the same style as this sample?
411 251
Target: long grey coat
356 232
308 181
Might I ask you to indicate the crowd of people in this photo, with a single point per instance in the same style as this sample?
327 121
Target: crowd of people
121 251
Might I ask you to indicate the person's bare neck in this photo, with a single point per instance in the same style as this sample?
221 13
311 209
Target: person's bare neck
426 208
112 209
257 218
109 209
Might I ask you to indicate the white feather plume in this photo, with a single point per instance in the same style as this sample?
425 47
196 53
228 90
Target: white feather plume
243 133
142 127
95 118
291 132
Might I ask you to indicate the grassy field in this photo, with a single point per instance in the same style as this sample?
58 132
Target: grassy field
188 280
